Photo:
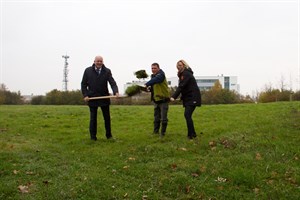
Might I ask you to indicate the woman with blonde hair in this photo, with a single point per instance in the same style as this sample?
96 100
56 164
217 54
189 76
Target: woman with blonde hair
190 94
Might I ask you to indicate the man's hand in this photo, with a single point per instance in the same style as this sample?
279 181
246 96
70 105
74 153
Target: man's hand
148 88
117 94
86 99
172 99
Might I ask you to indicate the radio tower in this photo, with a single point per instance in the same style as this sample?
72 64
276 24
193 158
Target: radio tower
65 77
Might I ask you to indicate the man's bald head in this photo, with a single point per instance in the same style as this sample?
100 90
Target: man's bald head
98 61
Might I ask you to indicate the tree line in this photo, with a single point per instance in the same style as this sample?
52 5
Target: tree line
9 98
215 95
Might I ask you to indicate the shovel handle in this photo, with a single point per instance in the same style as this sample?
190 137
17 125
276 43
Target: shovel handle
104 97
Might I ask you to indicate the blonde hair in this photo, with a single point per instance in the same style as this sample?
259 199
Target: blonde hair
186 66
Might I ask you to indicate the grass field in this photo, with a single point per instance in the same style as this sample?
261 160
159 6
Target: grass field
248 151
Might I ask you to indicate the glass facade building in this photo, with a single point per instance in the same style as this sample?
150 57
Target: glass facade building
203 82
207 82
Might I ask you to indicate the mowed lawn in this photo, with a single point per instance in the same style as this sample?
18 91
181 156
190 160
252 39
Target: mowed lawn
245 151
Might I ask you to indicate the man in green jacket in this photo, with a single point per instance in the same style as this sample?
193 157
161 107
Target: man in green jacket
160 95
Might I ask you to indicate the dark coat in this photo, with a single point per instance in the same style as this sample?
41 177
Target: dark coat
95 85
188 88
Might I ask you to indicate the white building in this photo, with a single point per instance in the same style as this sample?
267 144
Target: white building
128 84
203 82
207 82
27 98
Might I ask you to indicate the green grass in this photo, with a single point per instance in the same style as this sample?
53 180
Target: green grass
248 151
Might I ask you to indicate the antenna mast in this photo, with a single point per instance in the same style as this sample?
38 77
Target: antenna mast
66 71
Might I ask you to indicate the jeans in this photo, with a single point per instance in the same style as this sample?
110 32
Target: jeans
160 117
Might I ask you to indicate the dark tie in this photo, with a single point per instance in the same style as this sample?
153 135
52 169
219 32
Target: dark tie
98 71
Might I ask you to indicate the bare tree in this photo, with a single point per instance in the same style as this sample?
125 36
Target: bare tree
282 84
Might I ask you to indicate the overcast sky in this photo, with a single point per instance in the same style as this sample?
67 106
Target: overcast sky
255 40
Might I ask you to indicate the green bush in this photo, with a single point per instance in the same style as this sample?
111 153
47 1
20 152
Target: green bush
133 90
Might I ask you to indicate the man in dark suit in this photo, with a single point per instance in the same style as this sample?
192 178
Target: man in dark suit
94 84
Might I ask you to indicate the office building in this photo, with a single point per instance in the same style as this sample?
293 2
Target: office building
207 82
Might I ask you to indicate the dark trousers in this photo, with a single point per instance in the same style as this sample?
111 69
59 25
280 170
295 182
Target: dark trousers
188 112
160 117
93 121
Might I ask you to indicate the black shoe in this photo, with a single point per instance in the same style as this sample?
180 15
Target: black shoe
109 137
194 135
94 138
190 137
